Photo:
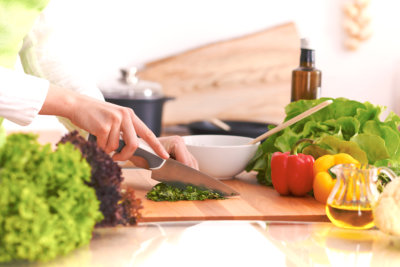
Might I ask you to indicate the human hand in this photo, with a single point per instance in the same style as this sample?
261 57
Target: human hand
106 121
176 148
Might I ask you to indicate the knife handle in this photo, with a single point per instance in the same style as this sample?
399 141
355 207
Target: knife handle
153 160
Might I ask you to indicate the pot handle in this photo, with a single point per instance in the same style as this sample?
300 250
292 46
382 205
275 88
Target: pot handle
168 98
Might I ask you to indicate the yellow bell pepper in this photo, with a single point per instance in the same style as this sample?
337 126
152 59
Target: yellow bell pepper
323 181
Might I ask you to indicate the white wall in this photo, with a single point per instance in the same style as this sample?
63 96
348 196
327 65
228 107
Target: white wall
126 32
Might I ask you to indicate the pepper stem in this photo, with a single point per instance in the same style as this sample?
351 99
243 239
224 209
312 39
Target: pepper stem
296 145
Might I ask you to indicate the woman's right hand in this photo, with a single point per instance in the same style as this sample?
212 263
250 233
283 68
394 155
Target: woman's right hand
104 120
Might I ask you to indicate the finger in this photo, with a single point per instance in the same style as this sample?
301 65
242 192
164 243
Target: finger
183 155
195 164
144 132
113 139
102 139
191 159
128 150
130 139
178 150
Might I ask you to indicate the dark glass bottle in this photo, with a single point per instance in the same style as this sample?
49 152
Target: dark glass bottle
306 79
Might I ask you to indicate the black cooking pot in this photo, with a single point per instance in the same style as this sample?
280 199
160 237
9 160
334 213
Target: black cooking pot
144 97
148 110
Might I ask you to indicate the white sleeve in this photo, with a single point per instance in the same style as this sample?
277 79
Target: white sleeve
50 51
21 96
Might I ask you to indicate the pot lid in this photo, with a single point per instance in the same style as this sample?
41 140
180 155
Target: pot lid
131 87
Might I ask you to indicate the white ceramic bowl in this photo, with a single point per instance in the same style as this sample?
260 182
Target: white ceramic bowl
221 156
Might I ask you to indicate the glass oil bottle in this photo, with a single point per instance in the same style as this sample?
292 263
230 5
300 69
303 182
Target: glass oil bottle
306 79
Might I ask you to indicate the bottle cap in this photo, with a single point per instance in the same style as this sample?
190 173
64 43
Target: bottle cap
306 44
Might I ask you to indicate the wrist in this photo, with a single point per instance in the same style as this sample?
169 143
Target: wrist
60 102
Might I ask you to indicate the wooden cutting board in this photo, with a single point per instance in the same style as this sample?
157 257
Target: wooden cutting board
256 202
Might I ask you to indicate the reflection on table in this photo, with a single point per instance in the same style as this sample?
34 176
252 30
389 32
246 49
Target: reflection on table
233 243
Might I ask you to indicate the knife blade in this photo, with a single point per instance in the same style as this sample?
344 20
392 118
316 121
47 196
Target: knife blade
176 174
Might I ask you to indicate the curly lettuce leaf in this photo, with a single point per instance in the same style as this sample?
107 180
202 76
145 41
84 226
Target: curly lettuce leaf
262 160
373 145
341 107
47 210
370 112
392 120
334 145
391 137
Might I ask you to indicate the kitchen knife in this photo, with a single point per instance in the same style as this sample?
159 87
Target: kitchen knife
174 173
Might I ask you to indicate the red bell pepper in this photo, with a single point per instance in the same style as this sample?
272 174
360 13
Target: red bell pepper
292 173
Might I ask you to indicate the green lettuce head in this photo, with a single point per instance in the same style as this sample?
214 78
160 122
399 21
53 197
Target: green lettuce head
46 209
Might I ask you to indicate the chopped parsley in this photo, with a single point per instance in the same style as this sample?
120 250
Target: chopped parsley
164 192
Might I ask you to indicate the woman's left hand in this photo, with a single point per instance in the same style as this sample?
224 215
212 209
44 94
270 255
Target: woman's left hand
177 150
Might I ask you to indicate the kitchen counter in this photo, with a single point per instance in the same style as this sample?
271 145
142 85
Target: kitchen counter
234 243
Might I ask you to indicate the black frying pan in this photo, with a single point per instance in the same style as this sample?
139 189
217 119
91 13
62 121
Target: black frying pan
240 128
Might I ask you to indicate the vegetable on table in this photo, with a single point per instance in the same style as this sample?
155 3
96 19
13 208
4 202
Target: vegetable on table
47 208
386 211
323 180
118 205
50 201
370 139
164 192
292 172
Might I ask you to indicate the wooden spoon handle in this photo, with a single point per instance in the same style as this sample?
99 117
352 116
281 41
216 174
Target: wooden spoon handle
220 124
291 121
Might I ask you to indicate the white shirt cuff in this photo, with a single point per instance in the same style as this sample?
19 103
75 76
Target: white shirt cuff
21 96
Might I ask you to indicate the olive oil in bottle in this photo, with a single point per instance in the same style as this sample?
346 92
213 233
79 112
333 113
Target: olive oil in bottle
306 79
350 217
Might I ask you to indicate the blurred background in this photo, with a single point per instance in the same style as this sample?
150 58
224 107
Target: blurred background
100 37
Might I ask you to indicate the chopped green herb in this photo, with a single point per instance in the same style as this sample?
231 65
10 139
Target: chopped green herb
164 192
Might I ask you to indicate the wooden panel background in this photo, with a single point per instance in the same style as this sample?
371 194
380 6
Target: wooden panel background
246 78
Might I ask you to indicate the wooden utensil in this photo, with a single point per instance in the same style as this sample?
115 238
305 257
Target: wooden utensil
220 124
291 121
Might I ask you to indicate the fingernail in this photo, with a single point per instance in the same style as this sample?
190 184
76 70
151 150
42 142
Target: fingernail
166 155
